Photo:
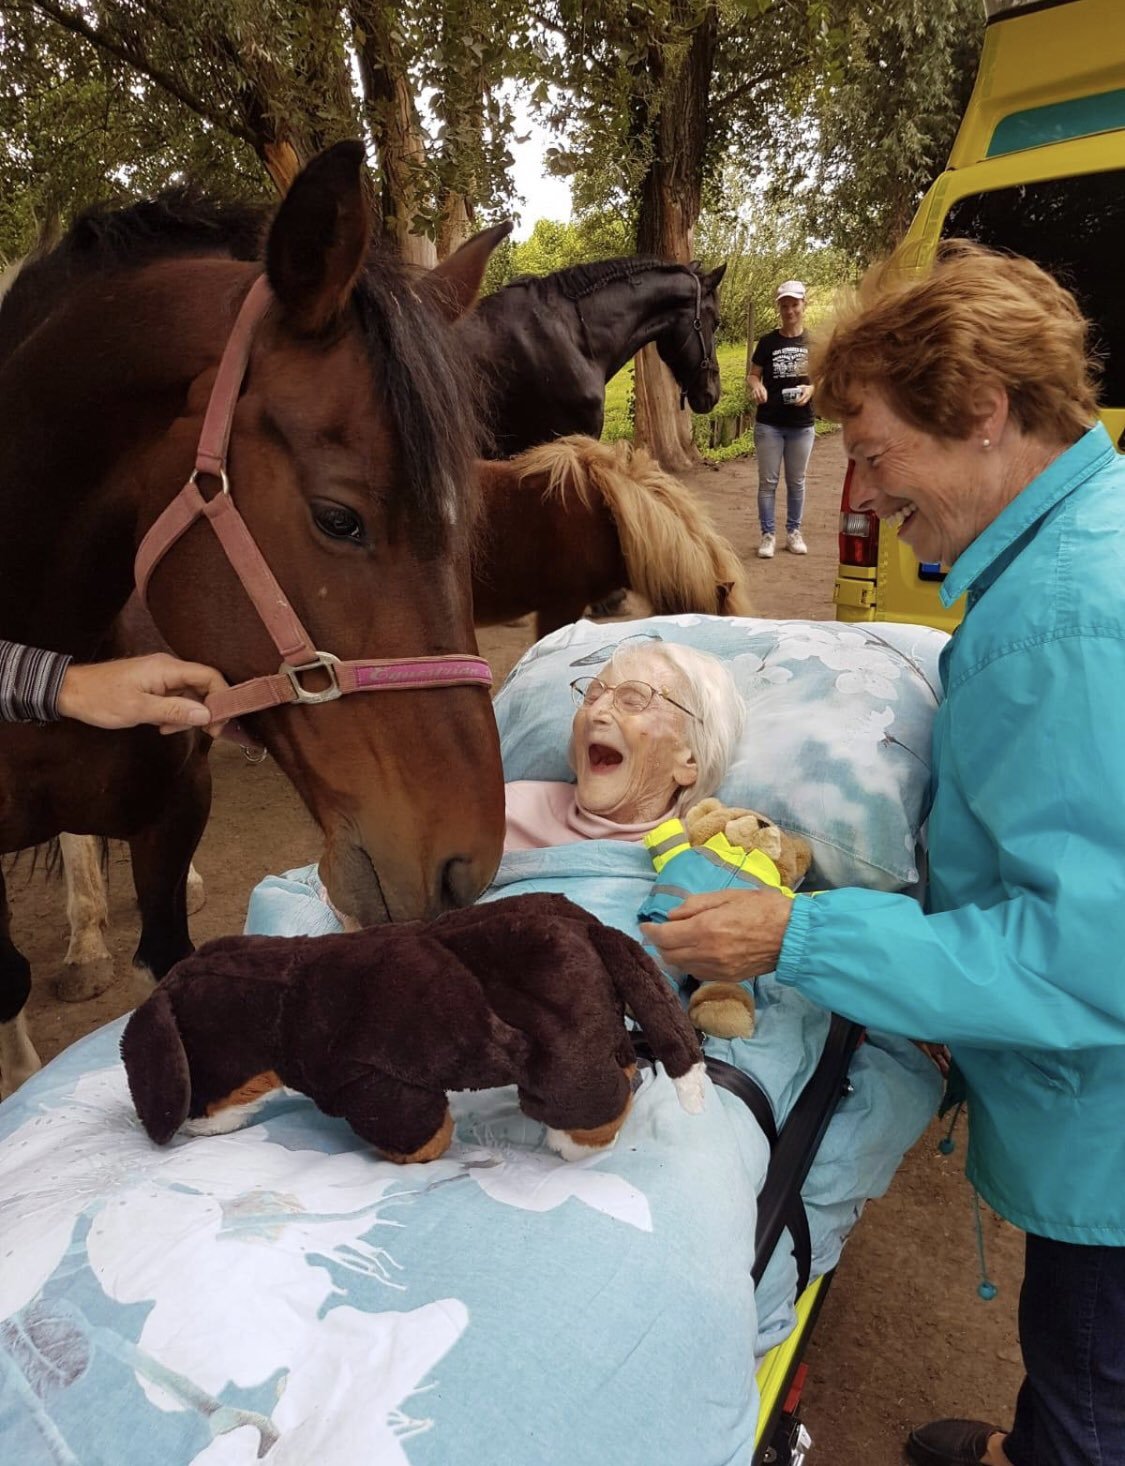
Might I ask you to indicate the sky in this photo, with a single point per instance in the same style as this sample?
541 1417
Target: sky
543 197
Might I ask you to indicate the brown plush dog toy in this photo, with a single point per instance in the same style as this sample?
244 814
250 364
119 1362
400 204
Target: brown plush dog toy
377 1025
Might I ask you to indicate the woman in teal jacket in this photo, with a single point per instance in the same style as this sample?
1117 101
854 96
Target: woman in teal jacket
966 400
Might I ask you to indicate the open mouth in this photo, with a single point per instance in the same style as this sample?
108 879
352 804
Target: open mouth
901 517
602 757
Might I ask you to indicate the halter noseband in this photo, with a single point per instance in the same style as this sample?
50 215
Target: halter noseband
298 654
706 359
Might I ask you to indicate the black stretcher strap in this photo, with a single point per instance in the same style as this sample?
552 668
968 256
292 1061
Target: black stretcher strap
779 1201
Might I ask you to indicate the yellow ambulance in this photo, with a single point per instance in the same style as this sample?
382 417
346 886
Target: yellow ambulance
1038 167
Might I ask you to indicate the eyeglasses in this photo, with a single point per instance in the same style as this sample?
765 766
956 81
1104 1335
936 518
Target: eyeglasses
628 697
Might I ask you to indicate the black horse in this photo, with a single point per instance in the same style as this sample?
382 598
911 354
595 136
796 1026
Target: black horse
549 344
546 345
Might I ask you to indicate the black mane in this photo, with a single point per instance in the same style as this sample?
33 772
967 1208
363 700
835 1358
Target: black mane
178 222
433 397
577 281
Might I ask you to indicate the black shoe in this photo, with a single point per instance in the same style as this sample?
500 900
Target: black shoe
950 1442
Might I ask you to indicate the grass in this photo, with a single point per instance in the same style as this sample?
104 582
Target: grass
732 373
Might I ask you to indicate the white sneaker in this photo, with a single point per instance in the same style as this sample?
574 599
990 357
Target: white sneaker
766 548
795 542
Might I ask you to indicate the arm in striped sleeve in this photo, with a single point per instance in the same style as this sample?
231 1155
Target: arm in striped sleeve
30 680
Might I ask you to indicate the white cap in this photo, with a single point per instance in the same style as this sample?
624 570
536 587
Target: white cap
791 287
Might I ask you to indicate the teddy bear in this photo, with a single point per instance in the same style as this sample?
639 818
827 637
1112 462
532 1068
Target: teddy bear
757 851
377 1025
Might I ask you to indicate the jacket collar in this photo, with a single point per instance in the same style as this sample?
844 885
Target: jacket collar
995 545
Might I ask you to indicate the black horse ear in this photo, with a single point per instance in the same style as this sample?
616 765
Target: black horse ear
711 280
454 285
318 240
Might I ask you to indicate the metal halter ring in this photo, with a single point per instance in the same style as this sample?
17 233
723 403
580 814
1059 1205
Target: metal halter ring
219 473
324 660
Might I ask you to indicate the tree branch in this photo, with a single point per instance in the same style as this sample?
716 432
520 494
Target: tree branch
737 93
103 41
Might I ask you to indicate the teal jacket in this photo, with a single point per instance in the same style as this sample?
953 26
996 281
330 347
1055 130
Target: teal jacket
1018 960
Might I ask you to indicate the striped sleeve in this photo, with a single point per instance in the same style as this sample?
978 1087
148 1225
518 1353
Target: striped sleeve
30 681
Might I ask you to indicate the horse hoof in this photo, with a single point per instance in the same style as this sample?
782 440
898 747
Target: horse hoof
196 892
80 981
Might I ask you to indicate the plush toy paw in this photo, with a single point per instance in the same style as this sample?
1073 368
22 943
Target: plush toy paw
722 1009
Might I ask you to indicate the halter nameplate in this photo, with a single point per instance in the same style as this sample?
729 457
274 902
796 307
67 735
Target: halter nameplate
299 656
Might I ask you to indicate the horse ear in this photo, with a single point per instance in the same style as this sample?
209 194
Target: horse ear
711 280
318 240
453 285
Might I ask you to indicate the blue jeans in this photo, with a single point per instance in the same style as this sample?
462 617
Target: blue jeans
1071 1406
771 445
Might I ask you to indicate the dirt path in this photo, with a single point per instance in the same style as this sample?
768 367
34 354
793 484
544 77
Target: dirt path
903 1336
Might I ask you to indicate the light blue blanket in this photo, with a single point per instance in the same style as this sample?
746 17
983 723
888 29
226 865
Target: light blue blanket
895 1088
279 1294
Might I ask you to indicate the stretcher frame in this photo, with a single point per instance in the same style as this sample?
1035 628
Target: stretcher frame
793 1148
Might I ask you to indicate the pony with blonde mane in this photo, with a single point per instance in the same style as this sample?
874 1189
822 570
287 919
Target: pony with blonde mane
565 524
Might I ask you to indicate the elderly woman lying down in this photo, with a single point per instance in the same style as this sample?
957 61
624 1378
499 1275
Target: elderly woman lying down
654 733
281 1294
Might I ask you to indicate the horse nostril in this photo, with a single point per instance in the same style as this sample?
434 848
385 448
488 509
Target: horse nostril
460 883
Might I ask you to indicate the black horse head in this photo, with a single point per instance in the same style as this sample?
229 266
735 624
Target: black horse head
687 347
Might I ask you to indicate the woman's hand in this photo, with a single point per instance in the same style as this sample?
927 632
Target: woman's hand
723 936
757 389
157 689
806 394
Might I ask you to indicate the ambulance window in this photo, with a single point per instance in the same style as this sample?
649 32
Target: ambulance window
1074 227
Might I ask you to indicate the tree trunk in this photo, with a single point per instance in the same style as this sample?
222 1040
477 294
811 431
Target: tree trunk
456 224
393 119
676 127
281 163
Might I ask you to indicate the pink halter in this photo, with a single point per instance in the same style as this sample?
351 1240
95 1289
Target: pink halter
298 654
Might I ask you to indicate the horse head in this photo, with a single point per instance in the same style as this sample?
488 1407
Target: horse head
350 459
687 346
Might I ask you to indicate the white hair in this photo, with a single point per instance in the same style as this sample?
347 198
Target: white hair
708 689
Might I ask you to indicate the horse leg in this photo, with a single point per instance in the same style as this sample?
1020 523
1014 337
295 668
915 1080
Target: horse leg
161 856
87 966
18 1058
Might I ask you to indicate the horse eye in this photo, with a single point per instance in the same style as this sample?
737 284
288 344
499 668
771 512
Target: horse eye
339 523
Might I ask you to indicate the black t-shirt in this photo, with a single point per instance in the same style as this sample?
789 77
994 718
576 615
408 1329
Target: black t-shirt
784 363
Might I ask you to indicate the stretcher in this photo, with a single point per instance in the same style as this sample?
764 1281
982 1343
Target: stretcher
278 1295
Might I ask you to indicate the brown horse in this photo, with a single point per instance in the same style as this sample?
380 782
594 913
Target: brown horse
566 523
351 460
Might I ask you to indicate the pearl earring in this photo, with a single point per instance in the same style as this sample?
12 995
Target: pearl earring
986 442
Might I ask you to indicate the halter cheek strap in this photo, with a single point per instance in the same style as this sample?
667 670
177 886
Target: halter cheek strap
696 327
295 646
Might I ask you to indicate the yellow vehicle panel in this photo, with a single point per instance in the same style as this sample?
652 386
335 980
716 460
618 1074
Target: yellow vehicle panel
1045 127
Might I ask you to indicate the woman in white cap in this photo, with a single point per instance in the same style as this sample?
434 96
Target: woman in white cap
779 383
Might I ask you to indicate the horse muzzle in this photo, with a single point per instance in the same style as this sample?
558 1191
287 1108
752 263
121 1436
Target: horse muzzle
398 885
704 393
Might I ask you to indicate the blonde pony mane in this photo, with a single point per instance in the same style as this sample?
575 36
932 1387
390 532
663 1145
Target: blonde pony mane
674 555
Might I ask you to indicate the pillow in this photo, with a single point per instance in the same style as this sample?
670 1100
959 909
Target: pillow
836 744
